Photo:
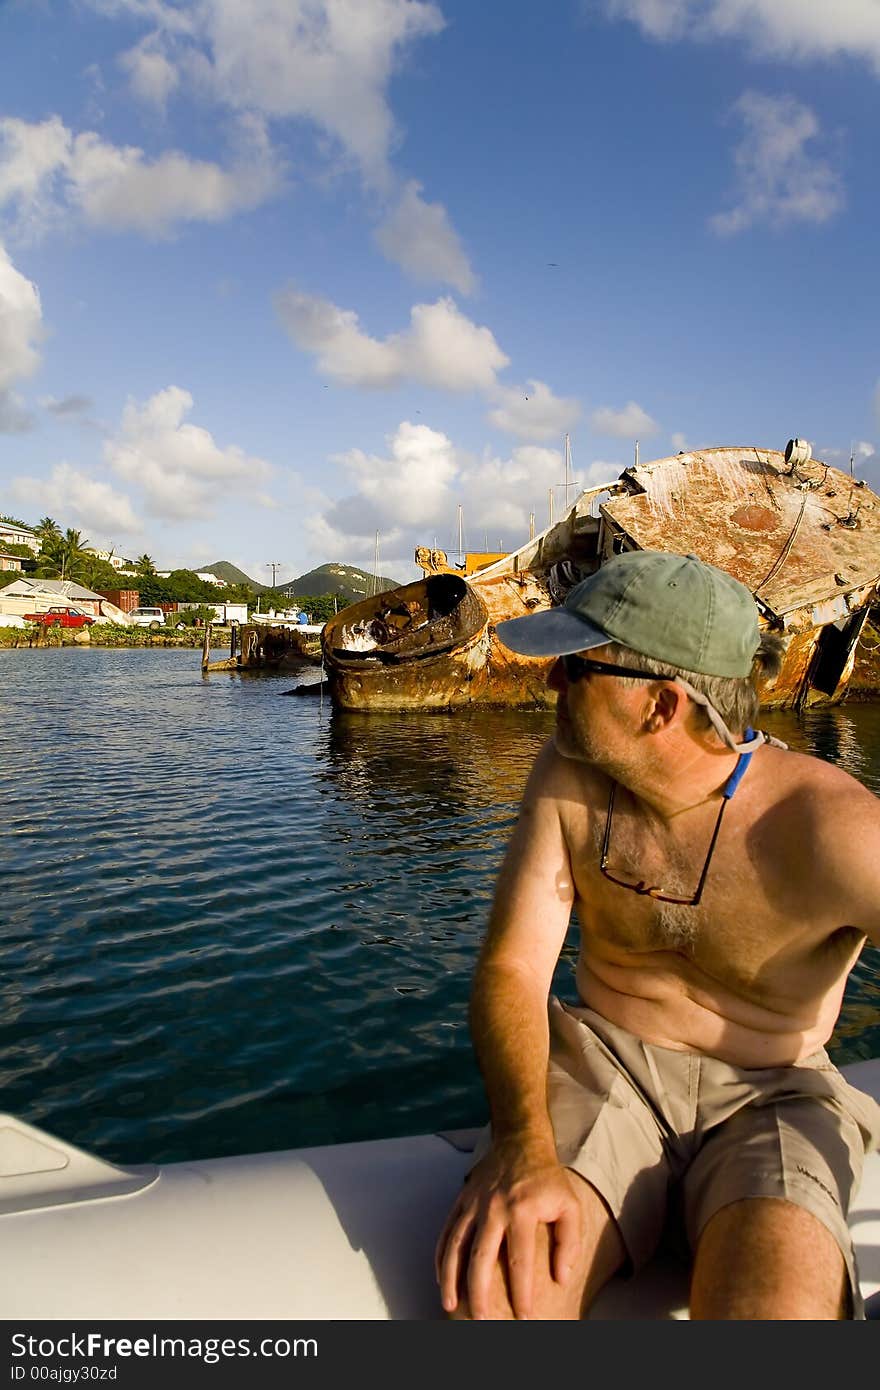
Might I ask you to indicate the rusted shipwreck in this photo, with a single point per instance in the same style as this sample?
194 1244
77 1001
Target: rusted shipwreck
266 646
802 535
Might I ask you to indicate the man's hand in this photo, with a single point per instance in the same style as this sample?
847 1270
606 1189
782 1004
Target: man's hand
507 1199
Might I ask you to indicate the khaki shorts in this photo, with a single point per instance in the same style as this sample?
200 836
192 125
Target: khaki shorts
634 1119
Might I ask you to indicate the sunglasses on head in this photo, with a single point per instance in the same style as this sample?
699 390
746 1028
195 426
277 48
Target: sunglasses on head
576 667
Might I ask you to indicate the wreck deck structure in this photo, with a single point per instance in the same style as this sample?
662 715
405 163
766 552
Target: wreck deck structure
803 536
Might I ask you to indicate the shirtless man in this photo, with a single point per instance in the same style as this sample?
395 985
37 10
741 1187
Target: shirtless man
724 887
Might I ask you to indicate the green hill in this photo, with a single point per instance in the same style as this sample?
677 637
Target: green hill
225 570
336 578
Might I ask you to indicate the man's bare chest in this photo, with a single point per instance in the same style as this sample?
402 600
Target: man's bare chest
752 919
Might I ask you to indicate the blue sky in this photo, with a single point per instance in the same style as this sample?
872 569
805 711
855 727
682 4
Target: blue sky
276 275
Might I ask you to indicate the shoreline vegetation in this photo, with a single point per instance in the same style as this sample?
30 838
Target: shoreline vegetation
110 635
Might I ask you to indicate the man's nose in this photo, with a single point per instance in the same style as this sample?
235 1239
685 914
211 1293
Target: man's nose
556 676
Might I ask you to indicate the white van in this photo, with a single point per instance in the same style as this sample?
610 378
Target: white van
147 617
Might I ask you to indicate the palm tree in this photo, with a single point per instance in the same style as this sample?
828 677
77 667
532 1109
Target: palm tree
144 567
46 530
64 557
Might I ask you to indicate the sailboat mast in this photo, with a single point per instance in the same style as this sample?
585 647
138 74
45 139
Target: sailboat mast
567 468
460 545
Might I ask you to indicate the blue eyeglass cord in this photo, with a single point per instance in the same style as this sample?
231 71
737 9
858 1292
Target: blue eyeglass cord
739 772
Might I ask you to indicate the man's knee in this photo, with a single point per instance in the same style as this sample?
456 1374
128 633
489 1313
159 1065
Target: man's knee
766 1258
601 1254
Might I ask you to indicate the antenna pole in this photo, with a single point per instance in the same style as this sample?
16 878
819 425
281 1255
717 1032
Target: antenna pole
852 450
637 454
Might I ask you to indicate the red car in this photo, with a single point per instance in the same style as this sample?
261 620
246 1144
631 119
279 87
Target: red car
61 617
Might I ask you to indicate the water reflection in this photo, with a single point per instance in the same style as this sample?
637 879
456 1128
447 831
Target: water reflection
451 764
846 735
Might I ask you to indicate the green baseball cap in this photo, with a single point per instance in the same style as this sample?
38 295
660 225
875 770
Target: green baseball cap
673 608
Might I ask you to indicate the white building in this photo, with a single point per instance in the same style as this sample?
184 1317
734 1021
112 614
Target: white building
118 562
37 595
19 535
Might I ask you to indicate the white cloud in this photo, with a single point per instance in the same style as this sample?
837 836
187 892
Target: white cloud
629 423
441 348
411 493
45 171
31 156
796 29
408 486
778 181
679 442
601 471
532 411
153 77
21 324
325 61
864 450
91 503
419 237
178 467
21 330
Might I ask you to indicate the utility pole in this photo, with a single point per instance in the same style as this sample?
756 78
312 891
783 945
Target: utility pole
274 565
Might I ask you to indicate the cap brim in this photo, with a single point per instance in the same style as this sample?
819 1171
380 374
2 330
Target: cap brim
552 632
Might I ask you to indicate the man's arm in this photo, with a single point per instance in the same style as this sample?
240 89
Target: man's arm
850 852
837 843
519 1185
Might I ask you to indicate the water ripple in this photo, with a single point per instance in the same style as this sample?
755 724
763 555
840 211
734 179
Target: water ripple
236 922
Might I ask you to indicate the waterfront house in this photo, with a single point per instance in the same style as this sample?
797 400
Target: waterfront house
12 534
37 595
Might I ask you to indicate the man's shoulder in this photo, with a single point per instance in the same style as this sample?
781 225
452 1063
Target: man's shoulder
805 776
828 818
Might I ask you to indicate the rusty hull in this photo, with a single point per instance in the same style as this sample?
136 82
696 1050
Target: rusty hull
445 661
804 538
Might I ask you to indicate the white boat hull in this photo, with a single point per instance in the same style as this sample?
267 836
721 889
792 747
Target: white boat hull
345 1231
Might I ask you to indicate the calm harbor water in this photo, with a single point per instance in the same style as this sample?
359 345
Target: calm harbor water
233 920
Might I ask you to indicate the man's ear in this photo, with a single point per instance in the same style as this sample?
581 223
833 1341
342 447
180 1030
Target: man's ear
665 704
